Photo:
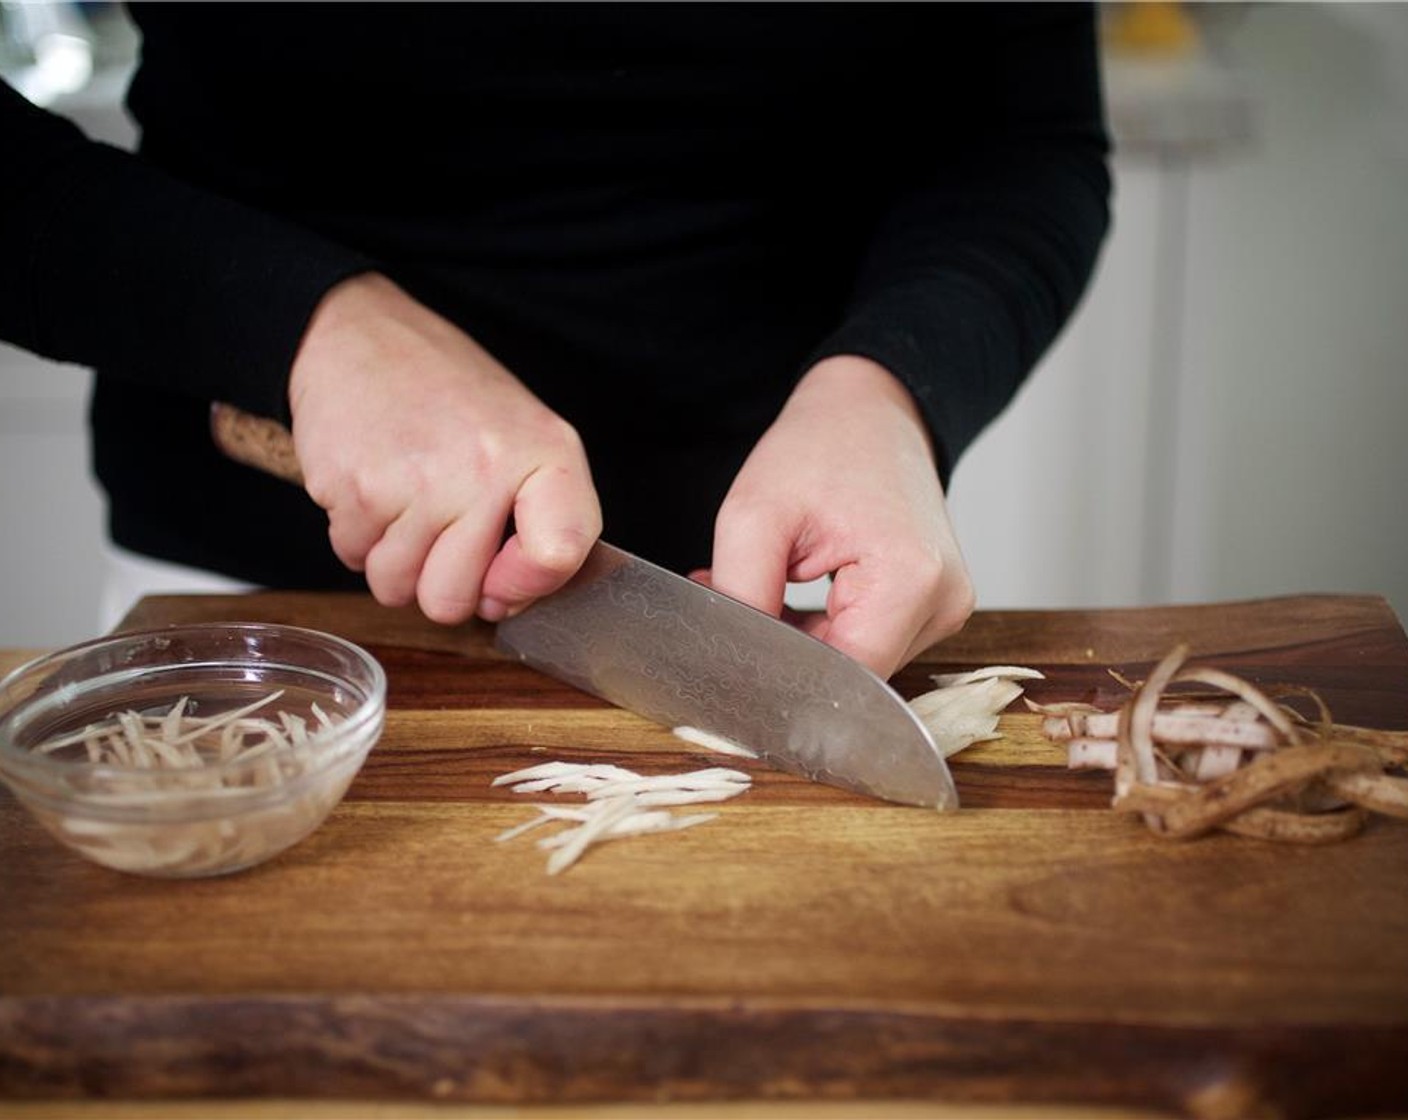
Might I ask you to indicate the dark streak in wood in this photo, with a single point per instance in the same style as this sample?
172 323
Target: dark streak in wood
572 1051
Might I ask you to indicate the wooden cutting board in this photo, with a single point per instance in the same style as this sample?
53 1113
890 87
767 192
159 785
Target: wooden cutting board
809 943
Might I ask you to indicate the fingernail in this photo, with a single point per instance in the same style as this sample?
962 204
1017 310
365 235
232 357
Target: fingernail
491 610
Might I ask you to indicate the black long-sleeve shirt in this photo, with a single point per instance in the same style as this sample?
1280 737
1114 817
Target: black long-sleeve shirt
657 216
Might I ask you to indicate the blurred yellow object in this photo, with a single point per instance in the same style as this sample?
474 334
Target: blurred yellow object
1150 27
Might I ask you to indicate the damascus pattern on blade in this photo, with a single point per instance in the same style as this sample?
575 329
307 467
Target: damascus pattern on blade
678 653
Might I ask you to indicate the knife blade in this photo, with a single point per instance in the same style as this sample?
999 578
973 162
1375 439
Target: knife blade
681 654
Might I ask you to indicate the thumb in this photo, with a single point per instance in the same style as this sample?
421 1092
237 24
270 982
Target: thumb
557 518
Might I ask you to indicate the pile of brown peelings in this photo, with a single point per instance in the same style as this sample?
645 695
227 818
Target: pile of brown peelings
1220 753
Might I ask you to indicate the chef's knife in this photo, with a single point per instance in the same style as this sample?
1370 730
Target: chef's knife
676 652
683 655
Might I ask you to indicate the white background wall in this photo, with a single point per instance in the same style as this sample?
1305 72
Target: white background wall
1262 448
1297 319
1226 417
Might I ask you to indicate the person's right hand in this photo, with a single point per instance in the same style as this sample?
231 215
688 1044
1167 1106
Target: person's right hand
419 445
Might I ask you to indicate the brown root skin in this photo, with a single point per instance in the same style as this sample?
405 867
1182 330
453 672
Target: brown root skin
1270 776
1297 828
1380 793
1134 732
1274 774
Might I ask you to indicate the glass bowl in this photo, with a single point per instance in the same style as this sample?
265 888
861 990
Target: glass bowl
189 751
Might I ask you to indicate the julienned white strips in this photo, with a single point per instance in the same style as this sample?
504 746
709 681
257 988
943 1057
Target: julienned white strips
619 803
711 741
963 709
204 761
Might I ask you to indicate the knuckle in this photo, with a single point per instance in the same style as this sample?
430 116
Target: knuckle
413 473
341 486
922 572
444 609
329 485
955 606
870 651
559 553
446 601
865 645
350 537
541 441
348 553
943 585
387 581
565 436
320 489
949 620
389 593
358 494
743 513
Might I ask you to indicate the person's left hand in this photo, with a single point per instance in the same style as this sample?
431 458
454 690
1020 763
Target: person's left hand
844 482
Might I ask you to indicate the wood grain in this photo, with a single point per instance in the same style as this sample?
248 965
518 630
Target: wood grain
808 943
773 904
1140 634
357 618
303 1108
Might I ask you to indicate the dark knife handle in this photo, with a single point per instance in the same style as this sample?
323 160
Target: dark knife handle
255 441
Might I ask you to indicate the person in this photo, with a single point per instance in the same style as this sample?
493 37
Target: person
734 285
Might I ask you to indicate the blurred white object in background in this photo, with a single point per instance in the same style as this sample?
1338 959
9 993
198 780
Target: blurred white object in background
59 45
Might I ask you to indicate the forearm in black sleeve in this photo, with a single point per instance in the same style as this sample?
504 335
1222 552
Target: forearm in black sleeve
979 262
110 263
